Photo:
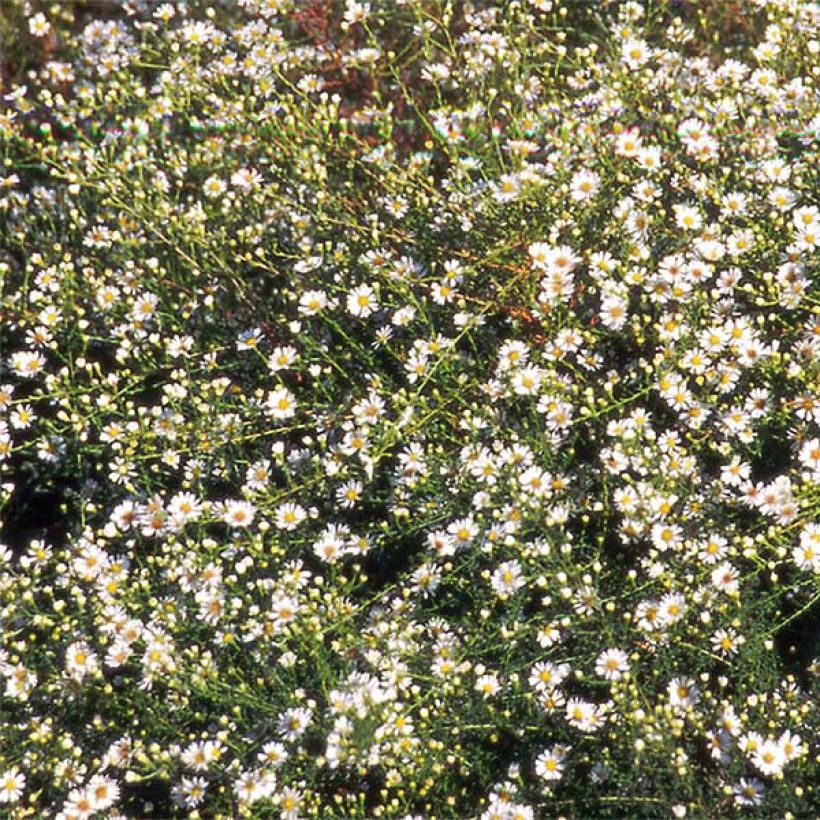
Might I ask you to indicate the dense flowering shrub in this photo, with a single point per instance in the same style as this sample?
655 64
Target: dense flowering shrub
410 409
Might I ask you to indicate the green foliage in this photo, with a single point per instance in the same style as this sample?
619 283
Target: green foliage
409 409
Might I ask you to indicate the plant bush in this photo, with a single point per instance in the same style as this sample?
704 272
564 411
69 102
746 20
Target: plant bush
410 409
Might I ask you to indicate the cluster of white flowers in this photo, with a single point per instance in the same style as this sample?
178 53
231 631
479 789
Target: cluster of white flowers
410 410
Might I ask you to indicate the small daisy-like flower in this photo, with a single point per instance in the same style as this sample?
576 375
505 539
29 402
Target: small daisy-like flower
810 456
38 25
290 803
683 693
273 754
249 787
614 312
12 784
22 417
80 660
369 410
507 578
443 292
549 765
362 302
687 217
6 393
507 188
294 722
311 83
190 792
349 494
214 187
289 516
725 642
712 549
539 253
284 609
769 758
246 179
725 578
487 685
671 608
548 635
282 358
145 306
238 513
584 185
527 380
792 745
547 675
513 353
27 364
582 715
552 700
104 791
281 403
79 803
312 302
536 481
258 474
748 791
612 664
628 143
249 339
635 53
649 158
